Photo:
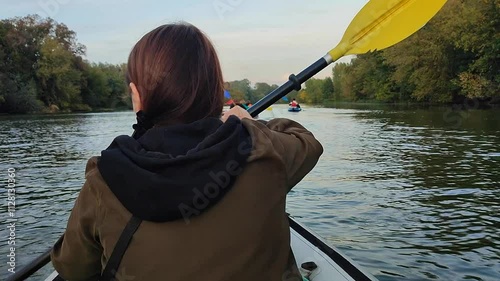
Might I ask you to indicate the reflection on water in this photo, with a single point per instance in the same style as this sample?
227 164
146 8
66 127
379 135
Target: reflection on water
409 194
49 154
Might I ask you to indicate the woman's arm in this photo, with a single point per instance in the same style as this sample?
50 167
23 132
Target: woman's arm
78 257
295 145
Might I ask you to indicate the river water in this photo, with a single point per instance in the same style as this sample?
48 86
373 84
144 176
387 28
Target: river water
409 194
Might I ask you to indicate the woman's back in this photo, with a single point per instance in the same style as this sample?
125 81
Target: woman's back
244 236
209 194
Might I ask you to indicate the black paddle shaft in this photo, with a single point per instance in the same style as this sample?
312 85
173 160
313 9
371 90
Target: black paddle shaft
294 83
31 268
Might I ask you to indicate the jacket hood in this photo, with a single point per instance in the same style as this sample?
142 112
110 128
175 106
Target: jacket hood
177 171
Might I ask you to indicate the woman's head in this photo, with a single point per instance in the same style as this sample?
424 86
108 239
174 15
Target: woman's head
175 75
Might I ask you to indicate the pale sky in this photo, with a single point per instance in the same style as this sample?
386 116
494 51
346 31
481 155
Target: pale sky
263 41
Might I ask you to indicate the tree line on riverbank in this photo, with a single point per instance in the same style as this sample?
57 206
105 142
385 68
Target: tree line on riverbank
453 58
42 69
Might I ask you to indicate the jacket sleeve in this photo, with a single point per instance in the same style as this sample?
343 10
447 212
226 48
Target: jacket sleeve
298 148
77 256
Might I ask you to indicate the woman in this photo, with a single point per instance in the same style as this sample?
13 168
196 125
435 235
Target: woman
191 195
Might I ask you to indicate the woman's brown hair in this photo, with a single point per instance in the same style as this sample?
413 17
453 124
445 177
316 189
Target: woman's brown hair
178 74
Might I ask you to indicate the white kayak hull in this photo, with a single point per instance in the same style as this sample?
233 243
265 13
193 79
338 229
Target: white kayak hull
331 264
52 277
308 248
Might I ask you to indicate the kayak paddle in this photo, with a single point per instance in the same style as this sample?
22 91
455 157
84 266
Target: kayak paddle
380 24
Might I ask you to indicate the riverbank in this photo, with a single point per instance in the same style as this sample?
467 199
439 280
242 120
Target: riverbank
467 105
49 111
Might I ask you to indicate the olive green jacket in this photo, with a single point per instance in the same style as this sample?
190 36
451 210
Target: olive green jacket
245 237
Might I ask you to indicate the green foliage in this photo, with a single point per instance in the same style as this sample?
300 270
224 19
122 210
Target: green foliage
41 65
425 61
105 86
313 92
292 95
343 82
242 90
476 32
58 79
261 90
327 89
455 56
374 76
96 90
19 97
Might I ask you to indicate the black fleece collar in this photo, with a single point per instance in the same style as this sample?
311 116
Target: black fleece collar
176 172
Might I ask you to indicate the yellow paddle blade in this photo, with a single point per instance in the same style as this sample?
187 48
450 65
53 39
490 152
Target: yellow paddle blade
383 23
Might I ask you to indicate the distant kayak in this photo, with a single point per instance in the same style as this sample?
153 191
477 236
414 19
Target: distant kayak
294 109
